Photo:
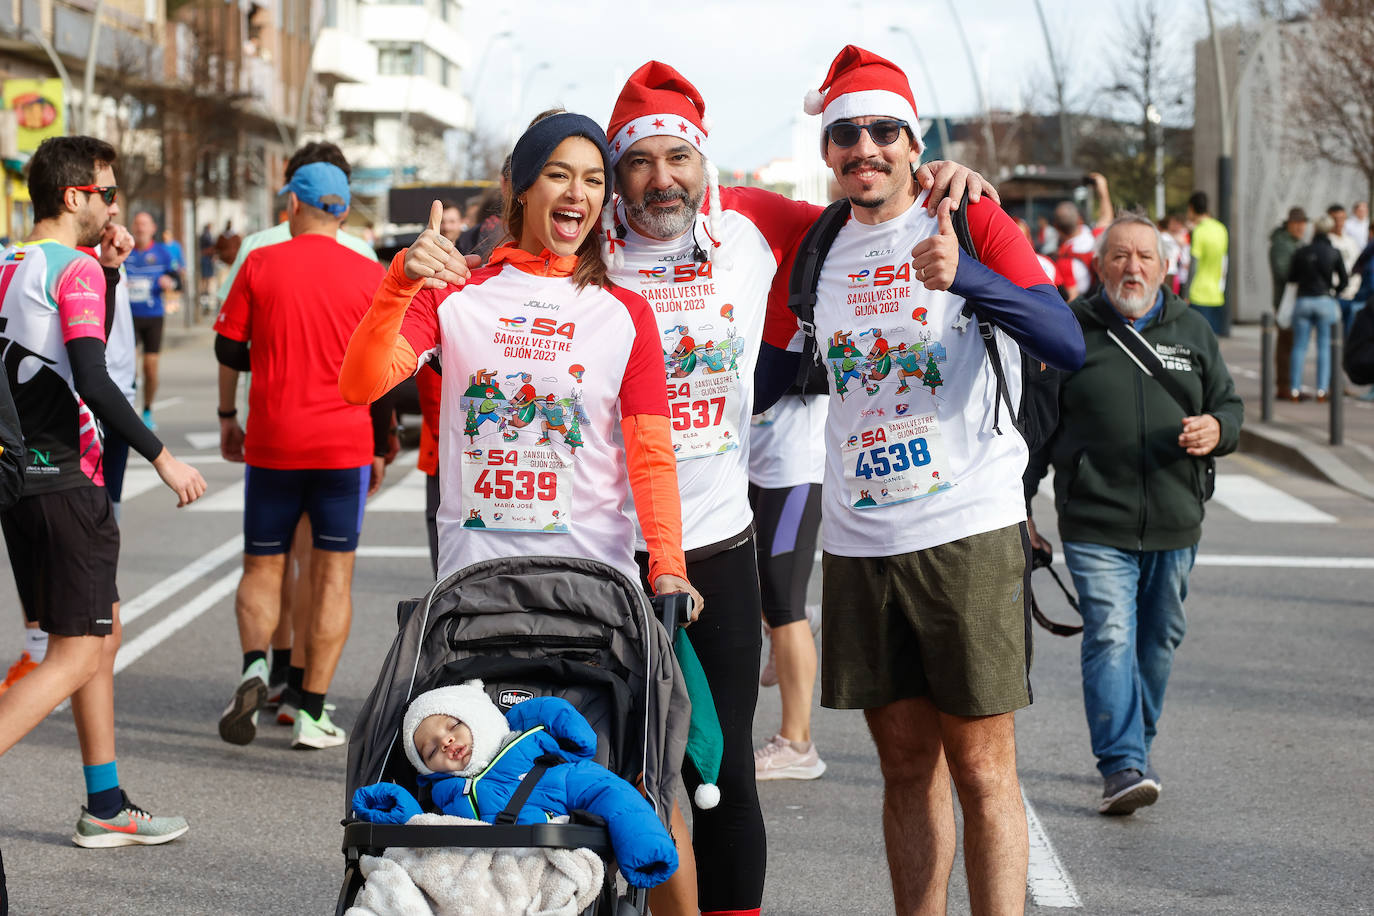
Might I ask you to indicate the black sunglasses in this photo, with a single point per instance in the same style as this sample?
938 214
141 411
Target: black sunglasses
845 134
107 192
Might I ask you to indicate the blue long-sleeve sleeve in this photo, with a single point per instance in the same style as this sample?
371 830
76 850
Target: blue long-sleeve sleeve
775 372
1036 317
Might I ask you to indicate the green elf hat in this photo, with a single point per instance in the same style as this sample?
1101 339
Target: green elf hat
705 742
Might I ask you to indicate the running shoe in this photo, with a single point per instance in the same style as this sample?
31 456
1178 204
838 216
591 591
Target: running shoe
1124 792
148 419
316 733
290 706
274 694
18 670
239 722
132 826
778 759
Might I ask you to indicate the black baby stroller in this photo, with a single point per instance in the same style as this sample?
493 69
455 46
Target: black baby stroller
528 627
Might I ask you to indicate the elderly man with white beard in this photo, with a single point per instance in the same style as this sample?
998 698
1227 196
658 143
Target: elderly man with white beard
1134 462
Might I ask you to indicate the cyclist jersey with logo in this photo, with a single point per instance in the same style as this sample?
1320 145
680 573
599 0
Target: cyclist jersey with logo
711 316
536 378
912 460
144 270
49 295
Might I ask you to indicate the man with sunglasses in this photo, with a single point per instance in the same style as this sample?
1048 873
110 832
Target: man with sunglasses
926 623
62 537
714 263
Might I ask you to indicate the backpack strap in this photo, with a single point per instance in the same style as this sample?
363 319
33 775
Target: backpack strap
1141 353
806 274
959 220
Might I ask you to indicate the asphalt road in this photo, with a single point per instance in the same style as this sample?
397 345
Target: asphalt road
1264 748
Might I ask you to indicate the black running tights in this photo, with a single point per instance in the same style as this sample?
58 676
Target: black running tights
729 842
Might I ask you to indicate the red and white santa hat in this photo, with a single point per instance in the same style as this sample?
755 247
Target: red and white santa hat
859 84
657 101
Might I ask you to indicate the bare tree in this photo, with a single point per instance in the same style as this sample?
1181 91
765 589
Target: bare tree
1151 82
1333 62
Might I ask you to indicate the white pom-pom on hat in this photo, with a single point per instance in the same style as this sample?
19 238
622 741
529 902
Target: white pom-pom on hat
814 103
706 123
706 796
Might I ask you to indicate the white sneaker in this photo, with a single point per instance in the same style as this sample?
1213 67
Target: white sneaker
238 724
778 759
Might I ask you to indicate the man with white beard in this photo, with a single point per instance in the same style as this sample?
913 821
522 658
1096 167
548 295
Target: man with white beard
1139 466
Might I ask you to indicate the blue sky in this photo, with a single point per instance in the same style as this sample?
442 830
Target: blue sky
753 60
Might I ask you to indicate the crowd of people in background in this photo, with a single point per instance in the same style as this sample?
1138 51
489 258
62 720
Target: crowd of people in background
924 615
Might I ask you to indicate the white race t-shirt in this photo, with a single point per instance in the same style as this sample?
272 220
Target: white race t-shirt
536 379
912 460
787 442
711 316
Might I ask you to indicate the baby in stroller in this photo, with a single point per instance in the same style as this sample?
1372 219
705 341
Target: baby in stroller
473 760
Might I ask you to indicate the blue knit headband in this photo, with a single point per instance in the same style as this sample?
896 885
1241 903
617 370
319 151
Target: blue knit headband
537 143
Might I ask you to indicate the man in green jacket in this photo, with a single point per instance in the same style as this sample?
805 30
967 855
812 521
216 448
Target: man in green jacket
1283 241
1130 481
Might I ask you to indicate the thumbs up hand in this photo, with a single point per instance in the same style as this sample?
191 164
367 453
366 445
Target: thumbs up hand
434 258
935 260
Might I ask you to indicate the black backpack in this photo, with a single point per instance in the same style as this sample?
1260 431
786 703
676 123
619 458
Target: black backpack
1038 414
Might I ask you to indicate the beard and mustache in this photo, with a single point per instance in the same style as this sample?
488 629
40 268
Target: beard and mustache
665 224
876 165
1132 304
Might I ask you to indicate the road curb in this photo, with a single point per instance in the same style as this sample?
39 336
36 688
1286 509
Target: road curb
1305 456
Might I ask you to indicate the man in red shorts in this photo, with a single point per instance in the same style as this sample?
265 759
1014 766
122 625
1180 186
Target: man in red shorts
307 450
62 537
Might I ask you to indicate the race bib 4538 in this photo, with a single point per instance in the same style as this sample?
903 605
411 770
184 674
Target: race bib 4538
895 461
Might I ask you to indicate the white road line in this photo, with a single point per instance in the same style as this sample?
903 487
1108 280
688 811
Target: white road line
1254 500
138 481
140 604
1285 562
393 552
1047 880
132 651
1245 561
406 495
167 402
226 499
200 441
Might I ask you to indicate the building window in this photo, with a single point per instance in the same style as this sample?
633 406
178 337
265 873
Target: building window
395 59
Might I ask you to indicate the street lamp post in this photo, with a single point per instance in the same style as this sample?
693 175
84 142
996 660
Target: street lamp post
1157 120
471 131
978 87
1224 159
1065 137
941 126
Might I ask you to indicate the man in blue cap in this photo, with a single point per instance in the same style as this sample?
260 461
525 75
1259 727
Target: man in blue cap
291 310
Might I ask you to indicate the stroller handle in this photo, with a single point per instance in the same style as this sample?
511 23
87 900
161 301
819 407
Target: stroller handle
674 609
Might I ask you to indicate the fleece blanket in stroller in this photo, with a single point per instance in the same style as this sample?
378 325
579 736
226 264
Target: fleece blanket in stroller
474 881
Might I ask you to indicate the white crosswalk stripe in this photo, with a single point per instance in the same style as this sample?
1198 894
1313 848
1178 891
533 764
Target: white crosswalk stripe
1249 497
1254 500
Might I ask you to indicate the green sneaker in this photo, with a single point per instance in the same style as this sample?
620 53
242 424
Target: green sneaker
239 722
316 733
132 826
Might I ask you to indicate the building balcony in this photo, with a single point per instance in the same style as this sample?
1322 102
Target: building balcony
341 56
387 22
418 98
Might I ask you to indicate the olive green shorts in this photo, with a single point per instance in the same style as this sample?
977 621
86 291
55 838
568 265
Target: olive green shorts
951 623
